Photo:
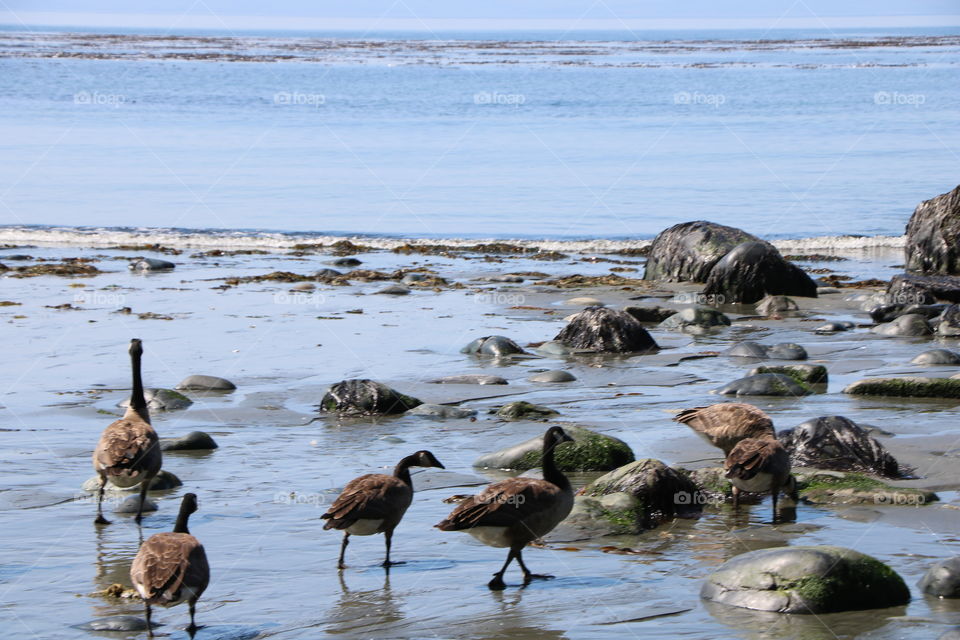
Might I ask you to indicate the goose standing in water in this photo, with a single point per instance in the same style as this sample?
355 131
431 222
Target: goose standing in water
172 567
128 452
516 511
758 465
725 424
375 503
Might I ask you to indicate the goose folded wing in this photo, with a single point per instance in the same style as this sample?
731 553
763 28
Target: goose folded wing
502 504
748 457
124 442
370 497
164 562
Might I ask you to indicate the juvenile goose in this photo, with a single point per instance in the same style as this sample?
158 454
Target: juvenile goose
172 567
375 503
128 452
724 425
757 465
516 511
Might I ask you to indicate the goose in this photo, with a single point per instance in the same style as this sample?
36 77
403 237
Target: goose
128 452
724 425
516 511
172 567
758 465
375 503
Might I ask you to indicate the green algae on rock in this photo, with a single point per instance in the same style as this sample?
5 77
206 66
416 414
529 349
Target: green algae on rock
662 492
802 373
834 487
590 451
906 387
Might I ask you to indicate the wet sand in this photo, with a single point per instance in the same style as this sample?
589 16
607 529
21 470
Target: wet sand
263 491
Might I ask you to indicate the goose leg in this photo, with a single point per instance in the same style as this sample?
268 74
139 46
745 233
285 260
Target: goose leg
149 624
192 629
736 498
100 519
388 538
143 498
497 584
775 493
527 575
343 550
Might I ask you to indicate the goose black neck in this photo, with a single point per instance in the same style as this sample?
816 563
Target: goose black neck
137 402
550 471
182 518
402 470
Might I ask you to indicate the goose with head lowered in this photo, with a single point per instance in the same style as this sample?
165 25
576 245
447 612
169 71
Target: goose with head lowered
514 512
172 567
375 503
757 465
128 452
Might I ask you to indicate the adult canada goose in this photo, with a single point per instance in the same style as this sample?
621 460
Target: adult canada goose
724 425
516 511
128 453
172 567
758 465
375 503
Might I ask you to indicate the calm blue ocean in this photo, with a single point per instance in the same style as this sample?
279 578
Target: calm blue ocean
480 135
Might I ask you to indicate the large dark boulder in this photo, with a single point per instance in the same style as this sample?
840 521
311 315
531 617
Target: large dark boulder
912 288
933 235
754 270
835 442
606 330
365 398
687 252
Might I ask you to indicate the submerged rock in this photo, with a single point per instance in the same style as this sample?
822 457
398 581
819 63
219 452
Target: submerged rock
696 320
193 441
492 346
765 384
933 235
205 383
942 579
520 410
747 349
910 325
840 488
115 623
590 451
552 376
661 493
753 270
650 314
803 373
469 379
151 264
163 481
821 579
132 504
606 330
687 252
441 411
937 356
779 351
771 305
906 387
394 290
834 327
835 442
365 397
161 400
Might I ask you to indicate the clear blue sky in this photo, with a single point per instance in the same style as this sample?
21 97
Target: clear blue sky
527 13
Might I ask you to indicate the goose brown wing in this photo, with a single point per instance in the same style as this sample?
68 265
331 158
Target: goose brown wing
371 497
726 415
166 563
502 504
750 456
124 444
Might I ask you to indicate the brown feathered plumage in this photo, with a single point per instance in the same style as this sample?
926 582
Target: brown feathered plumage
758 465
724 425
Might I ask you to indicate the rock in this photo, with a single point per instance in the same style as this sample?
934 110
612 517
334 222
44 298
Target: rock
942 579
520 410
552 376
949 324
151 264
765 384
468 379
303 286
441 411
834 327
713 486
590 451
753 270
933 235
912 288
205 383
835 442
952 634
161 400
193 441
786 351
906 387
937 356
606 330
163 481
132 504
696 320
345 262
554 348
687 252
613 514
327 273
366 398
821 579
834 487
910 325
115 623
394 290
775 304
658 489
803 373
504 278
650 314
585 301
747 349
492 346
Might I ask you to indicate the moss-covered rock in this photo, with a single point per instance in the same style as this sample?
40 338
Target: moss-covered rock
362 397
802 373
906 387
696 320
822 579
834 487
765 384
662 492
590 451
522 410
613 514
